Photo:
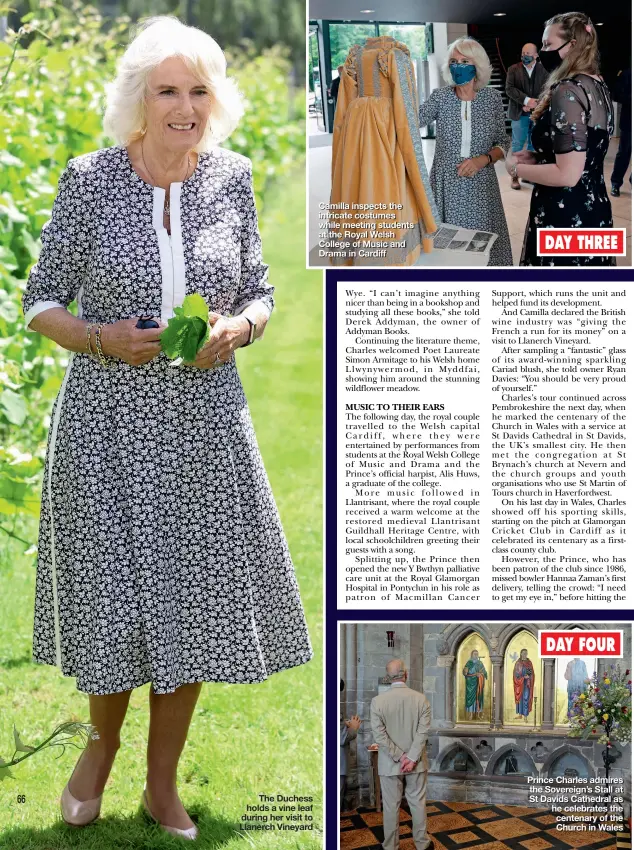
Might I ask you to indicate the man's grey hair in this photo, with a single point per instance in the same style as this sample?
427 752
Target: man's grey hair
395 670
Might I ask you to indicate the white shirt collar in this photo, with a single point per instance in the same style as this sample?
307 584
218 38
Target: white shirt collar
398 685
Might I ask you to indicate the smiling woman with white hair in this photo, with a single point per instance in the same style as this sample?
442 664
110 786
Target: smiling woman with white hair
470 138
161 556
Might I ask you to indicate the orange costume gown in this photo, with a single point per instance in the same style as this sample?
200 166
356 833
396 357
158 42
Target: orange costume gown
377 157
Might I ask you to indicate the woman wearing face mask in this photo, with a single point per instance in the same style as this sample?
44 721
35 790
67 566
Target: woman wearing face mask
470 137
573 122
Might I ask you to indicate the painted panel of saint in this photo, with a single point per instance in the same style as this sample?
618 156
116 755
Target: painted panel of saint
523 684
475 677
473 681
522 681
570 681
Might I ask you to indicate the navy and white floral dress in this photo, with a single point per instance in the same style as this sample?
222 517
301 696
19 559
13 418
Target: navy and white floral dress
466 129
161 554
579 118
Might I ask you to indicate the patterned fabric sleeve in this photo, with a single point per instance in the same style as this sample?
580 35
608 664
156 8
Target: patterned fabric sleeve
348 91
254 284
428 111
405 102
569 117
501 138
60 271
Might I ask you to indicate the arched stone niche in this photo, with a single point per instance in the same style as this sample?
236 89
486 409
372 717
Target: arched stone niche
567 758
458 758
510 760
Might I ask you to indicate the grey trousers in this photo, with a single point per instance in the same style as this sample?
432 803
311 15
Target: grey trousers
416 795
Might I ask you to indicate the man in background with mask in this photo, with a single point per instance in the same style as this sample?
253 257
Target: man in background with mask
524 83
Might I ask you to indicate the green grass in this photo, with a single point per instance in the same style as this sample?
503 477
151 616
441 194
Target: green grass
244 740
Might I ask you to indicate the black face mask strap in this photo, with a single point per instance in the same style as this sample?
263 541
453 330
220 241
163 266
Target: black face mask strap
557 49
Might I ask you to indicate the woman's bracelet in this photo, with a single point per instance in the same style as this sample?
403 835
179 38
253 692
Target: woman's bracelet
102 358
89 328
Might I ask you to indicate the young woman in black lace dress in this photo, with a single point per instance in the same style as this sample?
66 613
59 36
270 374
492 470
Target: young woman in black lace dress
573 123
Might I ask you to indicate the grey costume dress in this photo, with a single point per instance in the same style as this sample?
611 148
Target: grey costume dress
161 554
471 202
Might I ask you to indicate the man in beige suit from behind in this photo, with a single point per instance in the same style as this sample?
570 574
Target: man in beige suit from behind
400 721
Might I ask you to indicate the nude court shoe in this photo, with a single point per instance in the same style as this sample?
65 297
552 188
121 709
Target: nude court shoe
190 834
78 813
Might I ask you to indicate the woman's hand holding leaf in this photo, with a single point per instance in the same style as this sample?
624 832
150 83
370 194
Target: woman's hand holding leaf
227 334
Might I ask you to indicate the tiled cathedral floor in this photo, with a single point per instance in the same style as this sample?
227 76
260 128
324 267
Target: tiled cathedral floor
462 826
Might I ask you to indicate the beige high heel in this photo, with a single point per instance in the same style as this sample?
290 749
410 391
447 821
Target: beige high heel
190 834
78 813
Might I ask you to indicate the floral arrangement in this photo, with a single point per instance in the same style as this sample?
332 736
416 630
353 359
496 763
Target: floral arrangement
603 711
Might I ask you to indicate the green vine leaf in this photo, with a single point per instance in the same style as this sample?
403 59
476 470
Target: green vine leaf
195 305
188 330
13 406
19 746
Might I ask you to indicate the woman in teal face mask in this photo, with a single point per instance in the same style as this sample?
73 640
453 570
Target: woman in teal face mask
470 137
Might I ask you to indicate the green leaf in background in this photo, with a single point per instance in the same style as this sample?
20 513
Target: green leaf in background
7 258
5 773
59 60
19 746
7 158
8 309
13 406
12 495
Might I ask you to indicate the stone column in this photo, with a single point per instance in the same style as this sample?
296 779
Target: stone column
416 655
548 704
343 645
446 662
497 661
352 668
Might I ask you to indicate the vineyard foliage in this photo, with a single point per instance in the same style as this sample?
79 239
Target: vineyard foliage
52 76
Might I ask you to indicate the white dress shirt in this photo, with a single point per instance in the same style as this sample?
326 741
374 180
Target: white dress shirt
529 71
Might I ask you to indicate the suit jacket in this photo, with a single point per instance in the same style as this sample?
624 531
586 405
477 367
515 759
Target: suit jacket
623 94
400 721
519 86
345 736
